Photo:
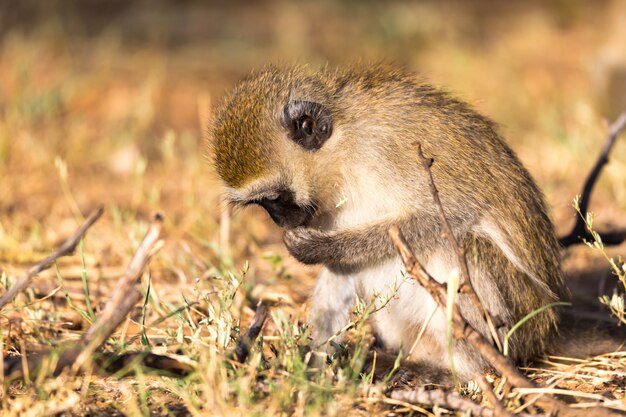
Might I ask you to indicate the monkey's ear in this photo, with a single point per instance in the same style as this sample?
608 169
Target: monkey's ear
309 124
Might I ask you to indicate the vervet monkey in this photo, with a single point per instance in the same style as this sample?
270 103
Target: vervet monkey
330 154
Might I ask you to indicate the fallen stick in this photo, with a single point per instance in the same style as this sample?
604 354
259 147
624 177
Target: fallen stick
463 330
245 342
65 249
446 399
15 368
579 231
112 363
487 390
125 296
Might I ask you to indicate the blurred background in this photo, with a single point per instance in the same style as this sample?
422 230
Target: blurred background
107 102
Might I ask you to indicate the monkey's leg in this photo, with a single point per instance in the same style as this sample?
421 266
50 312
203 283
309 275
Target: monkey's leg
332 300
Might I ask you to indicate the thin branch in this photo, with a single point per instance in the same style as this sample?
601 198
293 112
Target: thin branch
579 231
16 367
463 330
125 296
487 390
115 363
446 399
242 350
446 232
67 248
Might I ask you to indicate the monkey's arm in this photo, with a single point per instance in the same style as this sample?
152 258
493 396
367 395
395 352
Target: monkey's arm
350 248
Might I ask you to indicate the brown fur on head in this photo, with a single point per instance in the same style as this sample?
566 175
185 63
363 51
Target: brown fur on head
266 136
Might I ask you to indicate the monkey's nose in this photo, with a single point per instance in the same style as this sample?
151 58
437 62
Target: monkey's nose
284 210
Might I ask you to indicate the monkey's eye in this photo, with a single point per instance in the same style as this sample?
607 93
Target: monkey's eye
306 125
309 124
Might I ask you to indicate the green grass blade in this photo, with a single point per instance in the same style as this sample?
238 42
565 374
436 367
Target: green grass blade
528 317
83 275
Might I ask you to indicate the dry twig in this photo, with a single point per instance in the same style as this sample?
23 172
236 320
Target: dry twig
65 249
18 367
115 363
487 390
125 296
446 232
579 231
242 350
442 398
462 329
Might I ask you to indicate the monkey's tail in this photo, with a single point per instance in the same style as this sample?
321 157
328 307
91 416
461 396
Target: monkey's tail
586 336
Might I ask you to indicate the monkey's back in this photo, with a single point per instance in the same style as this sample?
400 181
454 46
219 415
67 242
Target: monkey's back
490 198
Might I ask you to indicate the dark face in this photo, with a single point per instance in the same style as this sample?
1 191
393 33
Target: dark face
285 212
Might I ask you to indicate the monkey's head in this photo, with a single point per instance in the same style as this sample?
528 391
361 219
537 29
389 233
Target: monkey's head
267 138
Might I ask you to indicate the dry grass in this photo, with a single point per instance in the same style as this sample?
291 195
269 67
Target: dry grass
116 116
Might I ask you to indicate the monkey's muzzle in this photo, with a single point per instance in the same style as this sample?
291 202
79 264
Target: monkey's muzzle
285 212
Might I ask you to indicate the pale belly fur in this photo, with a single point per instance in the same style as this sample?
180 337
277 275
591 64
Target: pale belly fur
404 307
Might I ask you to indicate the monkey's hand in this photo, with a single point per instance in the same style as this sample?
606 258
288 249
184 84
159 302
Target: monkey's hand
309 246
339 250
347 249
